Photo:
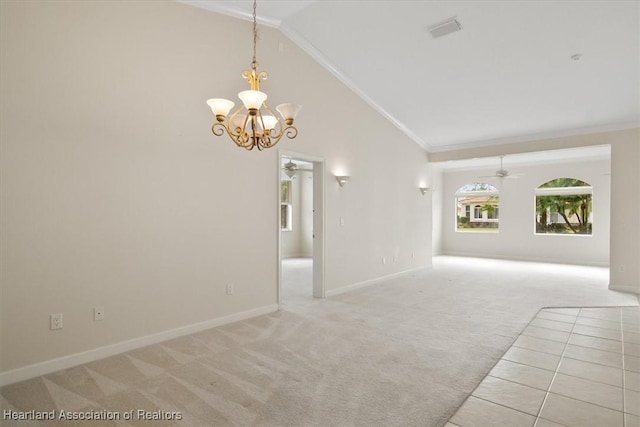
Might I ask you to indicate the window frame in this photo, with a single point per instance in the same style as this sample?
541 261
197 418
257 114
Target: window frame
286 205
554 216
470 210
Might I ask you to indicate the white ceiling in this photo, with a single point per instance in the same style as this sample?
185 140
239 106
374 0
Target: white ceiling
506 77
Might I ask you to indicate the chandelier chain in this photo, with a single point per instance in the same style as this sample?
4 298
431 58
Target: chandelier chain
254 63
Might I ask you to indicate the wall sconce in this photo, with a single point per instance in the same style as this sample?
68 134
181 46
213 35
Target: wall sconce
342 180
424 190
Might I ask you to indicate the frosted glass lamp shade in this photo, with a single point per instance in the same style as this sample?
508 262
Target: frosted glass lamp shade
220 107
269 122
252 99
288 111
237 121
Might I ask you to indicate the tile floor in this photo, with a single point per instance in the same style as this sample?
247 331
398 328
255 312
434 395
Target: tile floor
569 367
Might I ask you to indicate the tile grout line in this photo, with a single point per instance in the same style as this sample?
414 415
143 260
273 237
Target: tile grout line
487 375
570 375
555 372
566 344
573 344
594 363
513 382
525 385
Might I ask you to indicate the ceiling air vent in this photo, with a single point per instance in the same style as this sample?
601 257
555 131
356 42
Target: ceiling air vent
443 28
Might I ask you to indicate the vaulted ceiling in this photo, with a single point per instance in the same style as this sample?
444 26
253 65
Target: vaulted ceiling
507 76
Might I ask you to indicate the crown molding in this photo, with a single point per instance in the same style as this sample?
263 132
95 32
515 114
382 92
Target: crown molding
320 58
229 11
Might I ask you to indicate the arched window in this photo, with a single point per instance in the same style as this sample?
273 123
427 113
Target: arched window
477 208
564 206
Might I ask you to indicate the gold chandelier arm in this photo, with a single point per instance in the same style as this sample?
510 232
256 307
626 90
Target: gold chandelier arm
268 141
246 144
276 132
291 132
240 139
235 131
265 143
218 129
266 107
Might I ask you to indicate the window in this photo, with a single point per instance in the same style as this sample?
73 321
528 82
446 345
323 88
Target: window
285 206
492 212
564 206
481 199
477 212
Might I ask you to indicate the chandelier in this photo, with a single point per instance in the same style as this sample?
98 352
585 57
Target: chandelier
254 124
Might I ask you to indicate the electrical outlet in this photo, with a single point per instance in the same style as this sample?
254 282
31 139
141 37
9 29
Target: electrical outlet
621 268
56 321
384 260
341 222
98 313
395 258
230 288
413 255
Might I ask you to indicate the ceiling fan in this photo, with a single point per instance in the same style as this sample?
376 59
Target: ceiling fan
501 173
290 168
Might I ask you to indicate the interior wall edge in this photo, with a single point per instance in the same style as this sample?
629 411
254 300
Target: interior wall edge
627 289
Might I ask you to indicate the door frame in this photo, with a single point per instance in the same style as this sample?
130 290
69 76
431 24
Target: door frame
318 221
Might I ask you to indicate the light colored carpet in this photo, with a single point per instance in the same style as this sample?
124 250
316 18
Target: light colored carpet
405 352
297 281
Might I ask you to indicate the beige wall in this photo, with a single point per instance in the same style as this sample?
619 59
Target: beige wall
516 238
115 193
625 183
625 223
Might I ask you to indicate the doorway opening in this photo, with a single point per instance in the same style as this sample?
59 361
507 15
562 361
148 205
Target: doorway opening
300 228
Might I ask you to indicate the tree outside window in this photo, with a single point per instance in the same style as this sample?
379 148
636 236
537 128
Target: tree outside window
564 206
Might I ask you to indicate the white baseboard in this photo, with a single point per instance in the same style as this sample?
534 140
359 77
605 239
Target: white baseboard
527 259
358 285
628 289
53 365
